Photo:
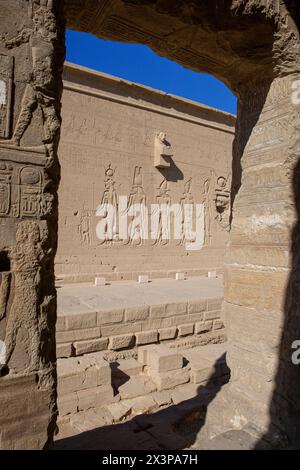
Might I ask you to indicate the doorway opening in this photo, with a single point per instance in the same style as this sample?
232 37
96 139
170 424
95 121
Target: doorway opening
130 304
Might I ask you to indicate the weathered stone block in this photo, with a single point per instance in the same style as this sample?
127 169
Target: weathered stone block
146 337
120 328
95 397
203 327
197 306
143 354
155 323
218 325
67 404
77 335
185 330
119 411
107 317
81 321
103 371
163 359
258 289
134 314
167 333
64 350
176 308
158 311
70 383
169 380
90 346
195 317
179 320
138 386
121 342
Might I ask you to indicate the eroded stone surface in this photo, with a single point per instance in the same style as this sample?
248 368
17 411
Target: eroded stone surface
31 59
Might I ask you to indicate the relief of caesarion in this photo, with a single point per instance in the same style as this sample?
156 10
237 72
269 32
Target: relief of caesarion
19 297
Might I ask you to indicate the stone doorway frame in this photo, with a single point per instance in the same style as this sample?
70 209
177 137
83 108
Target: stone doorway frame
253 46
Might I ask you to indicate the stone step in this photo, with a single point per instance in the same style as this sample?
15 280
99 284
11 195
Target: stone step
207 363
125 368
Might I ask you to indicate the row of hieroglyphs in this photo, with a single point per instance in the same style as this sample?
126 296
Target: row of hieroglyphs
84 128
215 200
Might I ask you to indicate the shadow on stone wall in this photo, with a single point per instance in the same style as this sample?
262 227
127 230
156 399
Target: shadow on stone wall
284 428
173 428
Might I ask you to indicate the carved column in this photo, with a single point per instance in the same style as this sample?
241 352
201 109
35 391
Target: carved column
31 60
261 290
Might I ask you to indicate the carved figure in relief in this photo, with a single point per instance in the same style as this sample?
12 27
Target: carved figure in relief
187 201
40 90
208 214
26 258
163 201
222 202
110 199
85 228
137 202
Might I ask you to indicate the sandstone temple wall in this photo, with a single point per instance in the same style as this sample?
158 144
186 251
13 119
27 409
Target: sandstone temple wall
109 133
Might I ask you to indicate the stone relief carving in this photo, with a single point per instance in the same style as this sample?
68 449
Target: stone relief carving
137 196
163 151
222 202
5 188
26 258
40 91
30 191
84 228
187 198
110 198
163 198
22 192
208 213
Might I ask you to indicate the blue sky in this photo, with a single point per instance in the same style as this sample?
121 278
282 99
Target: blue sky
140 64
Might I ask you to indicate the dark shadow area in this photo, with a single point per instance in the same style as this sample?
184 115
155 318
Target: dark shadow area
284 428
4 262
118 377
173 428
173 173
